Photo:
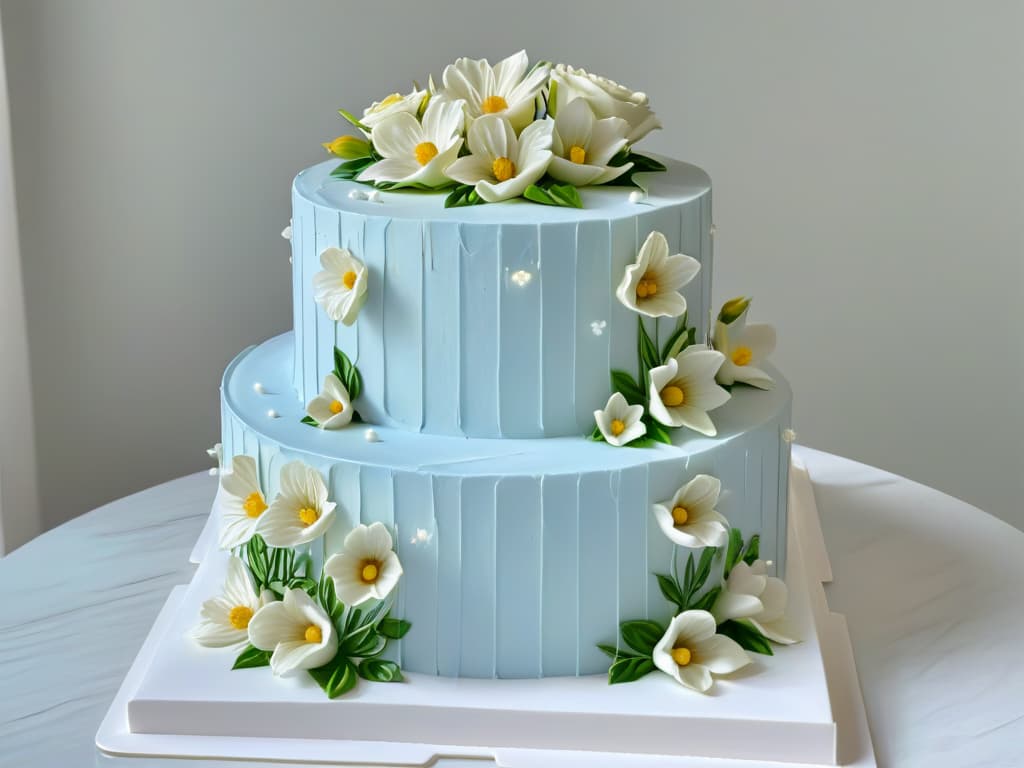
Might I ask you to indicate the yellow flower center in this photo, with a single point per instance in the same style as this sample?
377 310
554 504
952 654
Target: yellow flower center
337 406
681 656
426 152
254 505
577 154
680 515
647 286
618 427
349 279
313 634
308 515
503 169
239 616
742 356
369 572
672 396
493 104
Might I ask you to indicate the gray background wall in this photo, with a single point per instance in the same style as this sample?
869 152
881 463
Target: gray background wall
868 162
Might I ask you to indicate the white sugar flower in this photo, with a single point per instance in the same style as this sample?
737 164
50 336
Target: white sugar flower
689 518
507 89
391 105
745 346
583 146
297 630
751 594
502 166
332 408
366 568
606 97
691 652
240 501
684 390
225 618
300 512
417 153
652 283
619 422
340 288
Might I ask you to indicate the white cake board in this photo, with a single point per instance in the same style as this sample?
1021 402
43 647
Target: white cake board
801 707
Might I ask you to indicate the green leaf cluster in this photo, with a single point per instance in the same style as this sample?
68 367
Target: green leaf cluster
687 594
641 164
277 569
350 378
737 551
640 635
549 192
746 635
463 195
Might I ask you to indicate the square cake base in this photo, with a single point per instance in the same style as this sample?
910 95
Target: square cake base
801 706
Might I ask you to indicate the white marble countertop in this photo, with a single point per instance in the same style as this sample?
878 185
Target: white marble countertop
933 590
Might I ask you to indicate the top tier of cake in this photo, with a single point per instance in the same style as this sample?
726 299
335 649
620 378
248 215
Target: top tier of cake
491 320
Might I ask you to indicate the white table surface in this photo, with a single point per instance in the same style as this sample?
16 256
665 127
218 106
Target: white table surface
933 590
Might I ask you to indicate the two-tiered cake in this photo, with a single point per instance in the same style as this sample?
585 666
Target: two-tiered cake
509 437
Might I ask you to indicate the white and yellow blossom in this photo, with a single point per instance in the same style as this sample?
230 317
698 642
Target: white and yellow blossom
690 519
300 512
620 422
509 89
366 568
340 287
501 165
684 389
332 408
751 594
583 146
745 346
416 153
394 104
690 652
652 284
606 97
240 501
225 619
297 630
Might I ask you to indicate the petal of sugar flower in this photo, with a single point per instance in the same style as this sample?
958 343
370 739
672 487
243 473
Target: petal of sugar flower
509 72
270 625
393 169
760 339
607 138
378 541
678 270
443 121
611 173
663 304
492 137
237 530
743 580
319 409
709 533
238 587
754 377
695 676
513 188
774 598
397 135
692 418
656 248
694 625
575 124
534 144
470 169
390 573
734 605
776 631
720 654
702 491
242 479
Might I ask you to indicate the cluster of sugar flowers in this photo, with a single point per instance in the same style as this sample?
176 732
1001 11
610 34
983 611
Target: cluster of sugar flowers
716 621
681 381
501 132
271 604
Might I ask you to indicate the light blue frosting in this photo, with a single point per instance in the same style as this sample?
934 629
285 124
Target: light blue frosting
480 320
534 549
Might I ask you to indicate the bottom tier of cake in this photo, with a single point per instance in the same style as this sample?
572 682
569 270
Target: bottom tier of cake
519 555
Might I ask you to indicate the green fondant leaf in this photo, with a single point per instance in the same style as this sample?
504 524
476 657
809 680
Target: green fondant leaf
256 557
707 557
350 169
629 668
646 350
597 436
612 651
707 600
644 164
353 119
671 590
658 431
363 640
310 421
641 164
732 554
329 600
746 635
304 583
336 677
625 384
564 195
641 635
681 338
393 629
461 196
348 374
753 550
380 671
251 658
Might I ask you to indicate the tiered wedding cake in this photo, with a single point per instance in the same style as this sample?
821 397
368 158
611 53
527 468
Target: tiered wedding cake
509 437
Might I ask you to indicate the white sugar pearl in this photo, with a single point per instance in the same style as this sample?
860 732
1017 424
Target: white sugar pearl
357 194
712 230
788 435
371 436
636 196
373 196
214 472
258 388
286 233
272 414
